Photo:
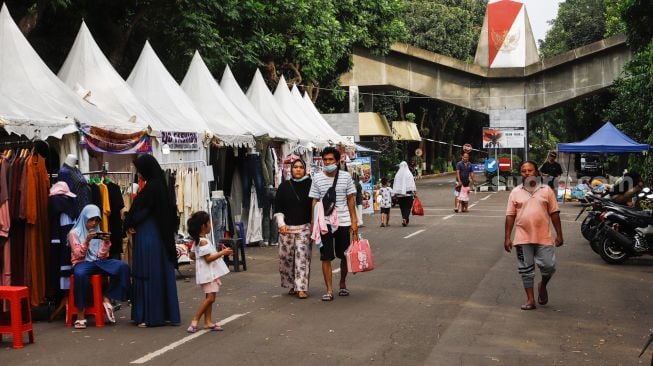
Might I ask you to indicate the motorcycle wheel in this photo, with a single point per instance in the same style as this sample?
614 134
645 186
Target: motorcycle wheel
611 252
595 244
587 227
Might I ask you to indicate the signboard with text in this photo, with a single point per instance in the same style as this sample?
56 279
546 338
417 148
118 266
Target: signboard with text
510 138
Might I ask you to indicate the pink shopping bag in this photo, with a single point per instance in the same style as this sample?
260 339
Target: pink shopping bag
359 256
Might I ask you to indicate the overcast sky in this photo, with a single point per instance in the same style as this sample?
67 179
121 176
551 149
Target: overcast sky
539 12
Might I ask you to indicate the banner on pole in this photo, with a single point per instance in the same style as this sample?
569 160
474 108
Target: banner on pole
512 138
363 167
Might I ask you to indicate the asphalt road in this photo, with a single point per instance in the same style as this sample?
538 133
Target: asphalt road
444 293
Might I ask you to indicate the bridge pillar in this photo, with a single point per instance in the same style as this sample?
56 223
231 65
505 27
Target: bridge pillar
353 99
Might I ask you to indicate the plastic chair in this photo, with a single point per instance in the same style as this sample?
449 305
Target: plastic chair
21 321
96 310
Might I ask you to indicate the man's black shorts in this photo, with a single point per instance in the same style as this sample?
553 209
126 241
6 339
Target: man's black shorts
335 244
385 210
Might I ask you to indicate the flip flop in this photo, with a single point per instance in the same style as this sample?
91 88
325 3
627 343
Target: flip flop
542 296
302 295
214 328
528 307
327 297
108 308
80 324
343 292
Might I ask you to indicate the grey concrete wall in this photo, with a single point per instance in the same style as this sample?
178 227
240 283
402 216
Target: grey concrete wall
346 124
545 84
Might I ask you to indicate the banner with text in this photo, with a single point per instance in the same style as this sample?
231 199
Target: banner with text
180 140
504 138
363 167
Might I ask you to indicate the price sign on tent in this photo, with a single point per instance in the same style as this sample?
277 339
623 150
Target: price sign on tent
491 165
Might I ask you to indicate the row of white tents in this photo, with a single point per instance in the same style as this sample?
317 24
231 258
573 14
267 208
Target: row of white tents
36 103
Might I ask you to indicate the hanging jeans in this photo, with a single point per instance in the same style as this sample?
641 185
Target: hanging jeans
270 229
219 215
252 171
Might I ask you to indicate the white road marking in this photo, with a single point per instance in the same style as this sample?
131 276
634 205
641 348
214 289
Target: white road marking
448 217
413 234
178 343
336 270
486 197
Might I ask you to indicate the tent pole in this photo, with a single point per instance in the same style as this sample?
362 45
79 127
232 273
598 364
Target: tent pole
566 180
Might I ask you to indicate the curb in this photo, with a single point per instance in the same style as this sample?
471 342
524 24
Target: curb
429 176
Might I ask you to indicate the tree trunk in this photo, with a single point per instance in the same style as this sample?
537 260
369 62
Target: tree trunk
29 21
117 56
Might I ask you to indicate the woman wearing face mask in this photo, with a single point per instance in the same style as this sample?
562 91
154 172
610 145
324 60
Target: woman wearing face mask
293 214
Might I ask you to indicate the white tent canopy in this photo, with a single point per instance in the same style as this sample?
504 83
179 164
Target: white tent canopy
312 113
265 104
296 113
33 101
222 116
86 68
152 83
233 91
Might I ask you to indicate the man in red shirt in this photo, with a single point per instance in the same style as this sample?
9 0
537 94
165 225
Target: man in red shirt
532 207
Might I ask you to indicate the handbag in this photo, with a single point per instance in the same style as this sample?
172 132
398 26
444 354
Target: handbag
329 199
418 209
359 256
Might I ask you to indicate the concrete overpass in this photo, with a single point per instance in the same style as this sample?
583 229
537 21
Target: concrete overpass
492 91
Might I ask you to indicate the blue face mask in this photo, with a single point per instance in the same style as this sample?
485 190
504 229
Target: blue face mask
331 168
300 179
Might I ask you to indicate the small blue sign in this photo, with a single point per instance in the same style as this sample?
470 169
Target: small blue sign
478 168
491 165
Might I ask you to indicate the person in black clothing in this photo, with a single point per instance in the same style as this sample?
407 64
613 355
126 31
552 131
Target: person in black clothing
551 170
293 214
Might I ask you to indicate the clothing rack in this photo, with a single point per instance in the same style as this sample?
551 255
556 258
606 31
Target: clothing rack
182 162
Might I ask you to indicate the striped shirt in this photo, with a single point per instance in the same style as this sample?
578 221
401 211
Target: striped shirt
344 188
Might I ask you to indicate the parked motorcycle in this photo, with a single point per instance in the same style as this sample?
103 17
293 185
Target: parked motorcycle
624 232
594 205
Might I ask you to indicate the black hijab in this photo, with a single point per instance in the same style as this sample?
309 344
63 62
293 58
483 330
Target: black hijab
155 198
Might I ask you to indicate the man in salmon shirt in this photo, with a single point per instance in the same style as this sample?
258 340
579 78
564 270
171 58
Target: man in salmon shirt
532 207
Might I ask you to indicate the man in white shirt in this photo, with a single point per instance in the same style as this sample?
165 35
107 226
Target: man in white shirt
335 243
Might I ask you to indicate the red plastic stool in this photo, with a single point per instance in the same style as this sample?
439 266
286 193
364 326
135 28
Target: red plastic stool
15 295
96 310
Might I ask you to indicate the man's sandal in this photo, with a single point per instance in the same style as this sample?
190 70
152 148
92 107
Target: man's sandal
327 297
343 292
80 324
542 295
528 307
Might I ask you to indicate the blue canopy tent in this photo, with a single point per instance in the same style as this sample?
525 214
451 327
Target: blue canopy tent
607 139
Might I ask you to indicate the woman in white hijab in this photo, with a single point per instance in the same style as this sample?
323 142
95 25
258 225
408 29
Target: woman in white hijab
404 189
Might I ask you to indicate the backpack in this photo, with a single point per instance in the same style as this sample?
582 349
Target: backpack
329 199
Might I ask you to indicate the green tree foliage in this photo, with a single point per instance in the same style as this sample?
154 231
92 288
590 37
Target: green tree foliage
448 27
579 22
638 17
308 40
634 91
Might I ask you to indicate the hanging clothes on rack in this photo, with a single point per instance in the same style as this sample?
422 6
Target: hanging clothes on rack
35 208
77 184
62 206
